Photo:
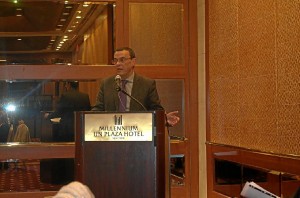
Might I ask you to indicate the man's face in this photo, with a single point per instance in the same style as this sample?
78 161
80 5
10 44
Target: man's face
67 86
124 64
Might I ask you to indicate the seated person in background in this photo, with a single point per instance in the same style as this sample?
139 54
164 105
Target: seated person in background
22 133
4 127
4 130
11 133
73 190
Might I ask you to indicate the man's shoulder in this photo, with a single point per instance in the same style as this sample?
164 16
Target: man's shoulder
74 93
140 78
109 79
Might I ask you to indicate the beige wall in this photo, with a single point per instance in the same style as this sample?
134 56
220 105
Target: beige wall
254 74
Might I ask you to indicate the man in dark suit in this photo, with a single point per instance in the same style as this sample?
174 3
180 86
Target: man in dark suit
139 87
70 101
62 170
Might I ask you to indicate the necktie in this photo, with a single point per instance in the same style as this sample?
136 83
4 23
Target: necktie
123 97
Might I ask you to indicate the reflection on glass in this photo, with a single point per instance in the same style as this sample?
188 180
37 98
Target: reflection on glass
27 101
290 185
56 32
230 178
177 168
32 98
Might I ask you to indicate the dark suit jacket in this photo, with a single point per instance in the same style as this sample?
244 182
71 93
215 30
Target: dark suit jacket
69 102
4 130
143 89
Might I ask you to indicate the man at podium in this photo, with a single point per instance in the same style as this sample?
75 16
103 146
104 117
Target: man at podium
129 91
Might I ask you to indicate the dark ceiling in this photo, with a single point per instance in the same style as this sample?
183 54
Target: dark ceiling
40 26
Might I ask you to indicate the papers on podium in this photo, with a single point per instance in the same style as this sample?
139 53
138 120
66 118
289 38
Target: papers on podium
55 120
252 190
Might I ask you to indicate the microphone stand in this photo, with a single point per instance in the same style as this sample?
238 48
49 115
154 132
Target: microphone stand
119 89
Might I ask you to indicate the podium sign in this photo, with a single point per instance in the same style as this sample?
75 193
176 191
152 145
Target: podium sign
118 127
122 154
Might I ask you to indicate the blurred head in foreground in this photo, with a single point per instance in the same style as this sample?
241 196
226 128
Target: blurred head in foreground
73 190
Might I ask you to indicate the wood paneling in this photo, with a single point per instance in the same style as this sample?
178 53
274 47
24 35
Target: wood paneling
37 151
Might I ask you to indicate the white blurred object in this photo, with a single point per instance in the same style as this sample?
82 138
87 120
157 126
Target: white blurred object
252 190
10 107
73 190
55 120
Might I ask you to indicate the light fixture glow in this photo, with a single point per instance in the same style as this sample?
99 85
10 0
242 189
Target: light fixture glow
10 107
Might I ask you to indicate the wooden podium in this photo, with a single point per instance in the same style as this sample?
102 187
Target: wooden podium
123 154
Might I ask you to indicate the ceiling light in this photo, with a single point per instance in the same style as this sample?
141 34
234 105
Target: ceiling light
10 107
19 39
19 12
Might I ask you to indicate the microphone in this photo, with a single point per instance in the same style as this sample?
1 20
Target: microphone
118 88
118 82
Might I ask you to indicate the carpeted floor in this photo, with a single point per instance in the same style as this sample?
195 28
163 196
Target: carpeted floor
23 177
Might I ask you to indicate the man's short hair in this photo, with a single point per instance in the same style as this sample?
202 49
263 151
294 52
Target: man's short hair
73 84
3 117
131 52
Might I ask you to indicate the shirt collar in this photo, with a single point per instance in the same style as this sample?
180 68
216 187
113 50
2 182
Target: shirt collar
130 78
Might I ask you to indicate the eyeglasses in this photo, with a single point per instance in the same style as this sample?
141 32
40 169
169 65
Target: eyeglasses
120 60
